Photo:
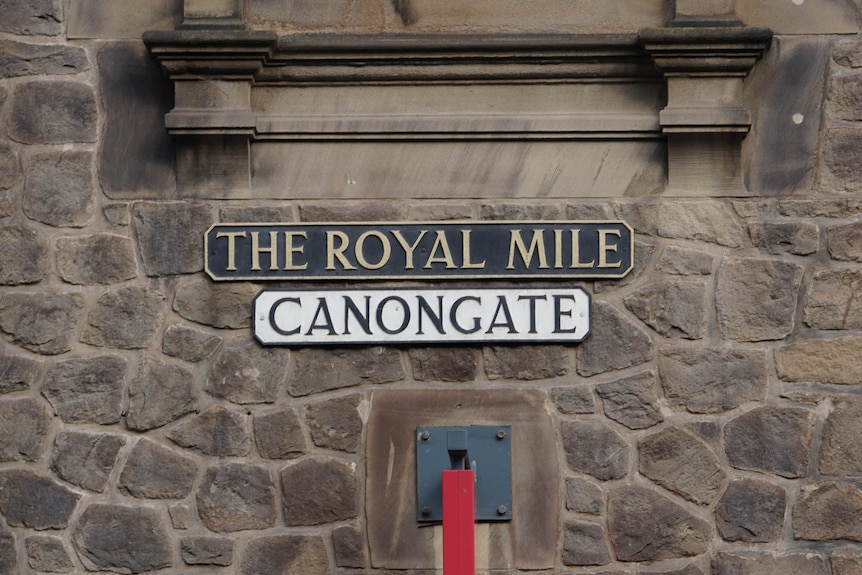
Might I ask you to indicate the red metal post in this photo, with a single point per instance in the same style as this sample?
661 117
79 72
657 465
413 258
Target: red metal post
459 555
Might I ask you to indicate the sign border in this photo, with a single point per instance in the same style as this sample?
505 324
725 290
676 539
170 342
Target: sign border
450 277
449 342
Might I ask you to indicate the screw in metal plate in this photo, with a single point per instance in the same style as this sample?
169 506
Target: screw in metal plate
501 434
501 510
425 436
426 511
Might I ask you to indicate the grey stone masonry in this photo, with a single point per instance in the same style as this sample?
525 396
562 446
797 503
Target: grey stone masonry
709 424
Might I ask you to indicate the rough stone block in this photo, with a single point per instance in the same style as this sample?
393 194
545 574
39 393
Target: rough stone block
756 298
47 554
135 96
59 190
843 100
171 236
17 372
779 153
574 399
683 262
846 562
771 439
436 212
848 53
349 546
216 551
24 426
87 390
705 221
10 170
821 360
244 373
751 510
53 112
181 515
526 362
674 308
8 554
333 212
318 491
24 59
615 342
31 17
632 401
844 242
736 563
841 438
153 471
711 380
278 435
840 151
777 238
454 364
123 539
318 370
24 258
595 449
645 526
35 501
159 394
336 424
127 318
218 431
832 300
86 459
828 511
585 544
506 211
584 496
236 497
41 322
286 554
681 463
221 305
117 213
189 344
100 259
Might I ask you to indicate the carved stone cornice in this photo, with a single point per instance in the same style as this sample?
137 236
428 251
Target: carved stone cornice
704 67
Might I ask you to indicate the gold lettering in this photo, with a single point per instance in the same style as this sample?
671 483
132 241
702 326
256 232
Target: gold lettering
360 256
256 250
605 247
291 249
408 249
576 252
446 258
558 249
537 245
333 252
465 252
231 247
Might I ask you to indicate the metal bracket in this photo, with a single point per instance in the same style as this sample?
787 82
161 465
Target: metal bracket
486 449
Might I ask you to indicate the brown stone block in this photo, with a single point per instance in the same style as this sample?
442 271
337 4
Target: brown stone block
741 563
135 97
779 153
827 512
98 19
395 538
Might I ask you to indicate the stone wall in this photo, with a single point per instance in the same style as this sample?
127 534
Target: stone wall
709 424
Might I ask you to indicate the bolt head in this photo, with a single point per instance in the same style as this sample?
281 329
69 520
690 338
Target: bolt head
425 436
501 510
501 434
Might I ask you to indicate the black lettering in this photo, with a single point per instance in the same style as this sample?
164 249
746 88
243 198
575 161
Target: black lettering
532 299
404 323
364 321
558 312
274 309
322 307
502 305
437 319
453 315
